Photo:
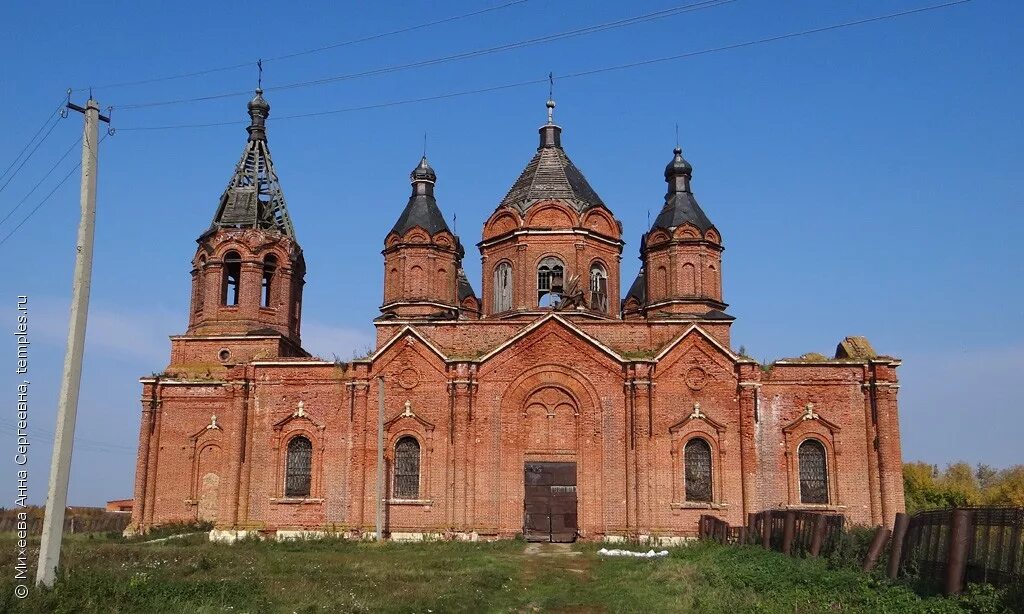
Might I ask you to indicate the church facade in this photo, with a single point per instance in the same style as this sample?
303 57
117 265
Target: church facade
558 403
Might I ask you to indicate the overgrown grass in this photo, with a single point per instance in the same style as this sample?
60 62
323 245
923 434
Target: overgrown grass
342 576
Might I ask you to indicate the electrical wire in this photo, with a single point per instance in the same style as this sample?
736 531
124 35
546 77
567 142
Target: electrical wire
29 156
315 49
40 182
574 75
45 121
80 442
47 197
593 29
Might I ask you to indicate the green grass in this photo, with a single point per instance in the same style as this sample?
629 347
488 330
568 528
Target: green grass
191 575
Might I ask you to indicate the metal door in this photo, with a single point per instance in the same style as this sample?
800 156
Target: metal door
549 504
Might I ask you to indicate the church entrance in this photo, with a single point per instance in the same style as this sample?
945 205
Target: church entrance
549 505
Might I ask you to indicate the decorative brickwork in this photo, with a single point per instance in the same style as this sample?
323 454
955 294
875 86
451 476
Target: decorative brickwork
245 430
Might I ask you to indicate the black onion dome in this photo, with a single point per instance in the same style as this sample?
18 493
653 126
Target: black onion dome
678 165
423 171
259 104
422 209
680 205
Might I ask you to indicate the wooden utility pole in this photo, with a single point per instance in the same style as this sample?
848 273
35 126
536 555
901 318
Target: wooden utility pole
380 459
67 404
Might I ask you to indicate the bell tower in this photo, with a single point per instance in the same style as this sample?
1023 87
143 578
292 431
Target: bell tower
248 271
552 243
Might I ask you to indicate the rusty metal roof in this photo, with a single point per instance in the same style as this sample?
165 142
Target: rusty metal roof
253 197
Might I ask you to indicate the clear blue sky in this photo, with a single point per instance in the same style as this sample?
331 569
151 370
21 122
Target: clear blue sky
866 180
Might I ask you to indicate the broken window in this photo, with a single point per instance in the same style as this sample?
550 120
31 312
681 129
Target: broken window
598 287
232 278
269 268
813 473
502 287
298 467
550 275
697 470
407 468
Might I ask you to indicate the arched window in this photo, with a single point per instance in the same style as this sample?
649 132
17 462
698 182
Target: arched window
550 274
232 278
813 472
269 269
407 468
598 287
502 287
697 470
298 467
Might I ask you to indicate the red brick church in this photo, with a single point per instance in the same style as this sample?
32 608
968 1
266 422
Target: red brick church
558 403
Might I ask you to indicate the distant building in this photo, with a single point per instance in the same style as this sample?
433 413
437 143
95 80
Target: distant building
120 505
558 402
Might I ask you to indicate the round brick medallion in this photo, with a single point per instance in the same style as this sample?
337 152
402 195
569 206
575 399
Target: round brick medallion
696 378
408 378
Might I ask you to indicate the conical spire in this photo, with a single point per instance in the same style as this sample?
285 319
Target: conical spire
253 197
421 210
551 175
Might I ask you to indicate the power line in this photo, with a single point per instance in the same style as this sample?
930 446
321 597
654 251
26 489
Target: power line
40 182
45 121
585 73
29 156
316 49
46 198
80 442
465 55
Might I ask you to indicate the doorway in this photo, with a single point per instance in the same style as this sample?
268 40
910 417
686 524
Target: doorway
549 504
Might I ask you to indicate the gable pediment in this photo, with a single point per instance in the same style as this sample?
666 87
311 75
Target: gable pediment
545 330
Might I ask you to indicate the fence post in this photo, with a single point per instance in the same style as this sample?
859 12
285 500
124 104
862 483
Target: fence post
875 550
700 528
788 530
751 522
818 537
959 544
766 530
899 534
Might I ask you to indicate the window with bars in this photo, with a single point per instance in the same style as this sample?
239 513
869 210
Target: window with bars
407 468
813 472
298 467
697 470
550 276
232 279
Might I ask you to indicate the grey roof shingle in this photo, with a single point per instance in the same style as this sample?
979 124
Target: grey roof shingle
551 175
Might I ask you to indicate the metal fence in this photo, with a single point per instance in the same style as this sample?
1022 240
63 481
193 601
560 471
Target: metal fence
91 523
965 545
942 548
